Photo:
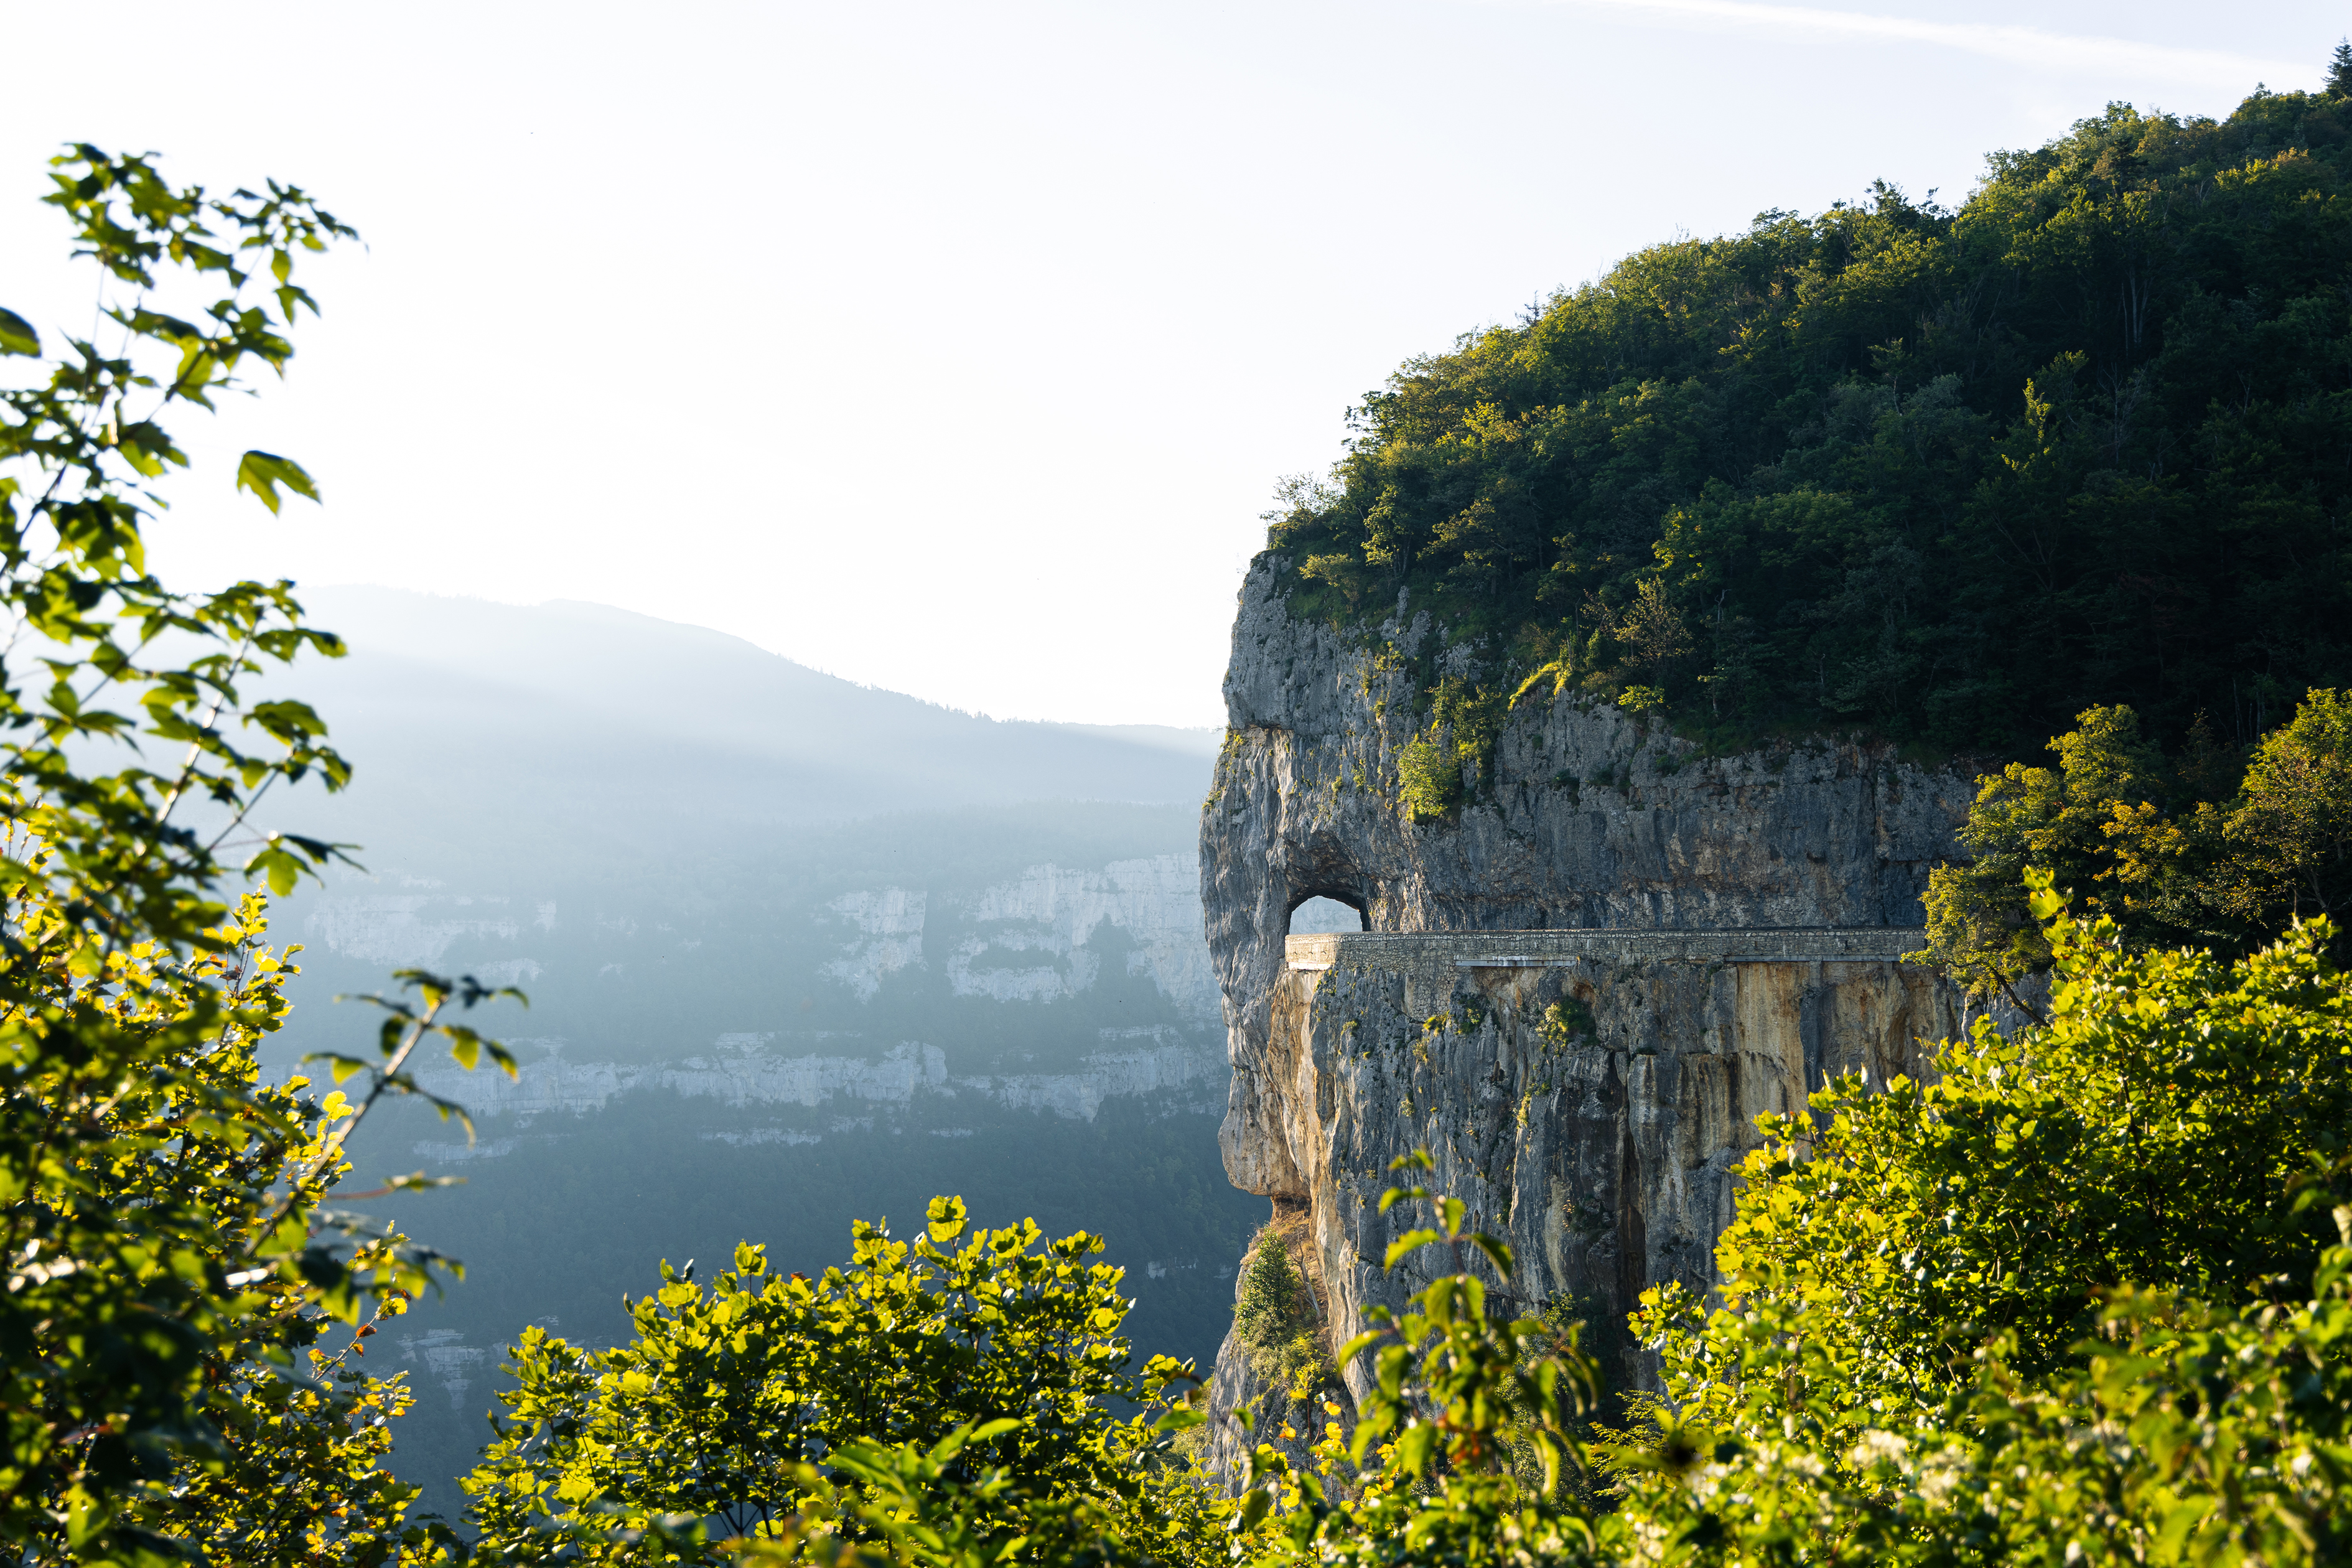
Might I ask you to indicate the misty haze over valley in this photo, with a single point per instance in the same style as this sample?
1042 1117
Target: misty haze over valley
797 950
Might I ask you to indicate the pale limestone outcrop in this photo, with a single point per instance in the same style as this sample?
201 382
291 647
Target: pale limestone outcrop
1605 1159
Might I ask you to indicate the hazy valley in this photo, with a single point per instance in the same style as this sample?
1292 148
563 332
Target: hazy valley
796 952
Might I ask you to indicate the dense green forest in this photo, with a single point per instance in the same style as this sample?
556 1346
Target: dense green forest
1942 475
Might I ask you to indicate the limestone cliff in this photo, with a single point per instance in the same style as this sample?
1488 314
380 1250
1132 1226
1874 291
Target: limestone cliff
1716 933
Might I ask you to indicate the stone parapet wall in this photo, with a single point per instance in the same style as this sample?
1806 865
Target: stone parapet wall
1400 951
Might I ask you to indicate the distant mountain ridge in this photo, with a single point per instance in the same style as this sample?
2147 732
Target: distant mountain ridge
589 703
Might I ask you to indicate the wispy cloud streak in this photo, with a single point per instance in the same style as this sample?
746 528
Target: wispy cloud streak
2027 47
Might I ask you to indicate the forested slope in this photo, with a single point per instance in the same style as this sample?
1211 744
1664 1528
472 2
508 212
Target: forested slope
1944 475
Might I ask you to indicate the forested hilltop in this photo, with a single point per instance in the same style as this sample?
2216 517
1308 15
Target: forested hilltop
1942 475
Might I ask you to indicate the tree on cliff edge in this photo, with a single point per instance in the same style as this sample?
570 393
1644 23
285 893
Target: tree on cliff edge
2194 851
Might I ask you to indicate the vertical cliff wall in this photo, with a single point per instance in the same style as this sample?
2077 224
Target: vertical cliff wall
1692 940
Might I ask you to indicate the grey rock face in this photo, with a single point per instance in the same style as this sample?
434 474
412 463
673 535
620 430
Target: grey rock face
1601 1146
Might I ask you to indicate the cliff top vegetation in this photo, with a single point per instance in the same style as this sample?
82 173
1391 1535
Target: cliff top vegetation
1945 475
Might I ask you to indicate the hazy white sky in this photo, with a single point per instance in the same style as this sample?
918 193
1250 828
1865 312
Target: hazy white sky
956 348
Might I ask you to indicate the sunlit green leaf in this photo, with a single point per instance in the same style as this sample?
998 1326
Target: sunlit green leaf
1404 1246
263 472
17 335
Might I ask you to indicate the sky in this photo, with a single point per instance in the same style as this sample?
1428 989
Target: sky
957 349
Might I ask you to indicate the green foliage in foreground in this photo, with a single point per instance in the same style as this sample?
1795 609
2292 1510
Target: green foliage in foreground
2188 851
180 1392
967 1408
170 1273
2186 1434
1469 1446
763 1401
2150 1134
1946 475
2087 1298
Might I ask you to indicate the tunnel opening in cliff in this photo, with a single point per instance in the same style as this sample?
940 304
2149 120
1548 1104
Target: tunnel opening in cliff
1325 909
